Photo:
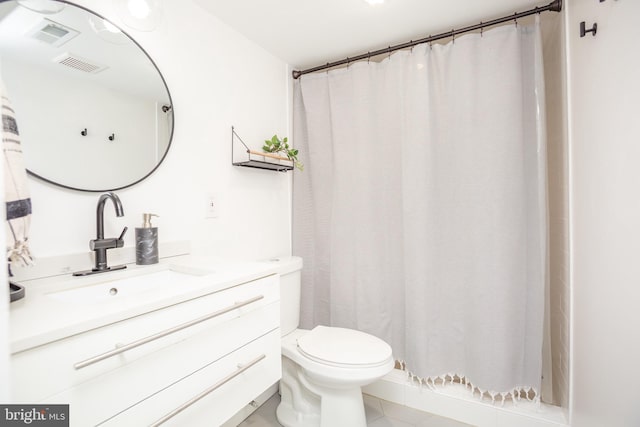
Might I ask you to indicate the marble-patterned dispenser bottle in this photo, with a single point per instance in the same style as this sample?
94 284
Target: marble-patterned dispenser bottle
146 242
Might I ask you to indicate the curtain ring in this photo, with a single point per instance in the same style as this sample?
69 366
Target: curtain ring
430 42
515 19
389 51
327 68
348 62
369 57
453 36
481 29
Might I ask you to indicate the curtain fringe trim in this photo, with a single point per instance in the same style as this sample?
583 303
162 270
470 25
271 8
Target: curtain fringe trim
531 394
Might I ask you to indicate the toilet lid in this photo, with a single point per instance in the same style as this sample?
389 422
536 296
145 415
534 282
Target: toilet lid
339 346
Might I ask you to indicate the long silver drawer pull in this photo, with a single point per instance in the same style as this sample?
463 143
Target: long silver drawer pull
142 341
214 387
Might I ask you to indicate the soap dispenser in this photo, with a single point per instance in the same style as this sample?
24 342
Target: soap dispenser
146 242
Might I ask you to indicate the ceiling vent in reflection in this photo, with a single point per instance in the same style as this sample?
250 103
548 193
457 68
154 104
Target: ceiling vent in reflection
77 62
52 33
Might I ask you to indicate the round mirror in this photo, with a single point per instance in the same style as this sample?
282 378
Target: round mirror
93 110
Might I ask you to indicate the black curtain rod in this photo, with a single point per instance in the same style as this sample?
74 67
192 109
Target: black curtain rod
554 6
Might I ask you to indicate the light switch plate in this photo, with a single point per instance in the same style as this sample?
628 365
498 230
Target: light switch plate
211 207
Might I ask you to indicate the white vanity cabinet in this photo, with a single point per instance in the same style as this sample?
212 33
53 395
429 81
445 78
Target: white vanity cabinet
194 363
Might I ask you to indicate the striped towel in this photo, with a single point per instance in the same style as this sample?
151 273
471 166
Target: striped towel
16 189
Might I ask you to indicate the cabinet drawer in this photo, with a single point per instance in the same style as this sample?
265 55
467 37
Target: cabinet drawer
45 371
109 394
214 394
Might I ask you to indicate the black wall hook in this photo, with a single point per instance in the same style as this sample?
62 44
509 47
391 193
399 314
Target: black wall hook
83 132
112 137
583 29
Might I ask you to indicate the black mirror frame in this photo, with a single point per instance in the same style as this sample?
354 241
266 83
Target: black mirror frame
68 187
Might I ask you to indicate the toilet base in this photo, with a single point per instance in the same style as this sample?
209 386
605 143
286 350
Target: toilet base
298 406
305 404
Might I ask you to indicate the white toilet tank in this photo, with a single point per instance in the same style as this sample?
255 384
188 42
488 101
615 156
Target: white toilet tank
289 269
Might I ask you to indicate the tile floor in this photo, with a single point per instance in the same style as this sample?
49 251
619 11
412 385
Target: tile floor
380 413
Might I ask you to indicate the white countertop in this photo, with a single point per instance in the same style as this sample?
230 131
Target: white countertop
38 318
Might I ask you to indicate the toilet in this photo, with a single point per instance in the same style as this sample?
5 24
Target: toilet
323 369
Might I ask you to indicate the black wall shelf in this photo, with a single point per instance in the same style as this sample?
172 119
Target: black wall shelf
242 155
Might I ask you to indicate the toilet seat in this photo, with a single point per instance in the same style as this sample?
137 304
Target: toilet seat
342 347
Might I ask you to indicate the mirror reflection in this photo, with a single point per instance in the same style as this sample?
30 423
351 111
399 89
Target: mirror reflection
93 111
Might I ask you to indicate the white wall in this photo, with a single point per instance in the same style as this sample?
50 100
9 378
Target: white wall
604 91
217 79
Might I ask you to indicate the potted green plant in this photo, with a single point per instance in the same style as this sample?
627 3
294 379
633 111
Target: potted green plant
277 145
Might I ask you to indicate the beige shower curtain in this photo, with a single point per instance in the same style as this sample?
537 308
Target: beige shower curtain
421 214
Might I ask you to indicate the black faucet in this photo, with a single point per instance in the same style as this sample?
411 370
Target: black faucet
100 245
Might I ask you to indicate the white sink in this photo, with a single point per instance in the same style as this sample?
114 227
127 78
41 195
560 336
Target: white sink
160 282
